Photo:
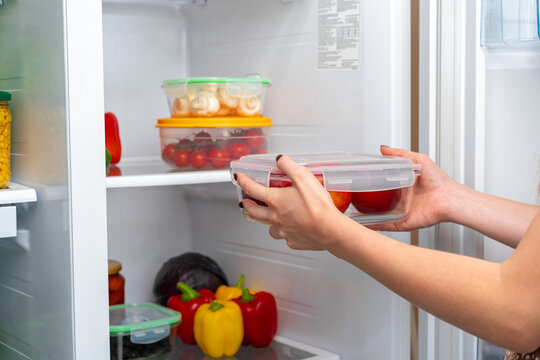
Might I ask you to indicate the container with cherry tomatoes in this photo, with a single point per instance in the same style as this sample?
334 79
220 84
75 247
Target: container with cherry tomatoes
371 189
211 144
216 97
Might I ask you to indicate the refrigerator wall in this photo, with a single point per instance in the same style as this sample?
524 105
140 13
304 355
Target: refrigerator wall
322 301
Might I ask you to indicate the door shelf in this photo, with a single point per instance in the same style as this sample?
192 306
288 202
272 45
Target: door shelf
16 194
142 173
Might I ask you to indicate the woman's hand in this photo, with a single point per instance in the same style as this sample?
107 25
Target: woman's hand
303 214
432 196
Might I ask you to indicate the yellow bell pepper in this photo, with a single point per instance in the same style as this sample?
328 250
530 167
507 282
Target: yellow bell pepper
226 293
218 328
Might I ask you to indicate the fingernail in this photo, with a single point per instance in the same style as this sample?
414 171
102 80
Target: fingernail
235 176
241 205
278 157
385 146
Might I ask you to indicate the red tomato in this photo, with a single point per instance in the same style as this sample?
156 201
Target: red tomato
168 153
198 160
181 158
186 145
204 142
219 158
279 180
254 140
372 202
238 150
341 199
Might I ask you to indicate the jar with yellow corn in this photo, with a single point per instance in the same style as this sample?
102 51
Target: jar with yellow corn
5 138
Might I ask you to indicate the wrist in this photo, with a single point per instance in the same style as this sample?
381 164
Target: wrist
455 199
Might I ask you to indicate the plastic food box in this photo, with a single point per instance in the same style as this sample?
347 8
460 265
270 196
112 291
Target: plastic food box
216 97
142 331
370 189
207 144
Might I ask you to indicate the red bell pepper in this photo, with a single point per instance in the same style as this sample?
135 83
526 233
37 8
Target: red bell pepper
187 304
112 137
259 314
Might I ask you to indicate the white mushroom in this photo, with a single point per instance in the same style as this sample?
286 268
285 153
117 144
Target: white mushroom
181 107
227 99
249 106
205 104
210 88
191 95
223 111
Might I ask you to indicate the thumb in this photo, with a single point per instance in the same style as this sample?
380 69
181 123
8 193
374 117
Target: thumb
297 173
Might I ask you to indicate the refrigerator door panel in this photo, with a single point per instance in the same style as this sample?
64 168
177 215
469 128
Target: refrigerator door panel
52 276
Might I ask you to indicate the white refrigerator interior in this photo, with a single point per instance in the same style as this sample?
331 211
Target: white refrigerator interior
322 301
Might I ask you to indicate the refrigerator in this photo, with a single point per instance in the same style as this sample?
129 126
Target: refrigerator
440 77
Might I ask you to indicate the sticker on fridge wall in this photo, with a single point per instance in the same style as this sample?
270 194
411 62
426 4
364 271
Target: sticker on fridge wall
339 35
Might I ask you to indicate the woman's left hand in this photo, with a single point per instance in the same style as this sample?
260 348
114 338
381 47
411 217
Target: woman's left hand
303 214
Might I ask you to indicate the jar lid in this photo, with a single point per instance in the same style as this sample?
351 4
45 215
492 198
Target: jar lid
114 267
5 96
215 122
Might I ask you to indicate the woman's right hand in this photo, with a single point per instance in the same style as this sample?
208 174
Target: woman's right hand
432 195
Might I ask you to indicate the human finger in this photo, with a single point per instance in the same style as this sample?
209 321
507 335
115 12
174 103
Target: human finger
251 188
258 212
296 172
416 157
276 232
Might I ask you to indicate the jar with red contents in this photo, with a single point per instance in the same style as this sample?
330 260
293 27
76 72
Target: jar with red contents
116 283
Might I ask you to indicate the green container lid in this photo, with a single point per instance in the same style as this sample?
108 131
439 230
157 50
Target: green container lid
145 323
5 96
216 80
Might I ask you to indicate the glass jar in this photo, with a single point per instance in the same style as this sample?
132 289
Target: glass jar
116 283
5 139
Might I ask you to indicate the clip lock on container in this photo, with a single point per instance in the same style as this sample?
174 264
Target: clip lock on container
216 97
5 139
142 331
370 189
205 144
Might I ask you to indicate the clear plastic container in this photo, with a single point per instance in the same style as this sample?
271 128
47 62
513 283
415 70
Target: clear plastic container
210 144
5 139
142 331
370 189
216 97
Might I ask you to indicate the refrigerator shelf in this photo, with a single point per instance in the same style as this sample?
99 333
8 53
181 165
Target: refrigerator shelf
171 3
153 172
16 194
280 349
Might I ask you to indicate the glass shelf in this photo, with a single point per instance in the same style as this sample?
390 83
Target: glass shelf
171 3
280 349
153 172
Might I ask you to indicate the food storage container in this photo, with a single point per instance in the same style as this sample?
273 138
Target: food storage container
370 189
216 97
5 139
116 283
142 331
206 144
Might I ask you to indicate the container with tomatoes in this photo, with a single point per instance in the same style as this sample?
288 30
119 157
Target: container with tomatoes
370 189
216 97
211 144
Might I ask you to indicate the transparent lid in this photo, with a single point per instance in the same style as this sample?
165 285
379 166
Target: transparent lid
146 323
341 171
240 87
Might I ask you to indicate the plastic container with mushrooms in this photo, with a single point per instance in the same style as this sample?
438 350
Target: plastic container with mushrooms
216 97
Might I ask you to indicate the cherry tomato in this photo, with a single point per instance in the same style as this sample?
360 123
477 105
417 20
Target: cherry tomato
181 158
371 202
203 141
168 153
186 145
198 160
254 140
219 158
238 150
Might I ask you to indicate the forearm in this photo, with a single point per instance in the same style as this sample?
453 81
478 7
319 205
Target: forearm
463 291
500 219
